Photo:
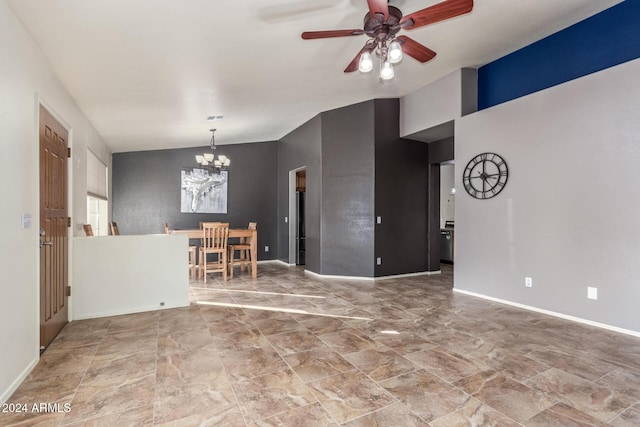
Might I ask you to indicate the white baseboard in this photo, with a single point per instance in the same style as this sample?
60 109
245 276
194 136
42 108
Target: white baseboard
16 383
397 276
271 261
331 276
132 310
552 313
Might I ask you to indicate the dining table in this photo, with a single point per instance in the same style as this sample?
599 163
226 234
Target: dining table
249 234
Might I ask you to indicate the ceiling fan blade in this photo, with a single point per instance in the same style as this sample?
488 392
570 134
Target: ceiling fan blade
355 63
436 13
308 35
379 6
415 49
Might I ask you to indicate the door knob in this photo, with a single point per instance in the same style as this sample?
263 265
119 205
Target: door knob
43 243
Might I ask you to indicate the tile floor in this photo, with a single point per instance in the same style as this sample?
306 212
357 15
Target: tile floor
294 350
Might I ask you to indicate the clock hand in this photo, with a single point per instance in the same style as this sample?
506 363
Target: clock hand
483 175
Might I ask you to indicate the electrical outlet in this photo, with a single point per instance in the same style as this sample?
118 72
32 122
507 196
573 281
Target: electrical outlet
592 293
528 282
266 248
379 261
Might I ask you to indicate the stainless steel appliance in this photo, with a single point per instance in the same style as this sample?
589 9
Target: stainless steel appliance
446 242
300 229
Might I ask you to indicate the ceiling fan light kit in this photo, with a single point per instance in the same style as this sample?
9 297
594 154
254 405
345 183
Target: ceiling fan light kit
366 62
395 52
386 71
382 23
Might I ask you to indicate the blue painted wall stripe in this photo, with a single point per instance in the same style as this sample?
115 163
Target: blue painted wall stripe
601 41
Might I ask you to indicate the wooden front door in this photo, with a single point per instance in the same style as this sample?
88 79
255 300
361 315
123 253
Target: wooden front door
54 242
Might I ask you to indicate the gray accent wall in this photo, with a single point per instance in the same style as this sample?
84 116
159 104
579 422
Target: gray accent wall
348 190
401 195
301 148
146 191
357 167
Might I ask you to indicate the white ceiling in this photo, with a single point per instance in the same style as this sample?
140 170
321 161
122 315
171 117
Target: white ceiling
147 73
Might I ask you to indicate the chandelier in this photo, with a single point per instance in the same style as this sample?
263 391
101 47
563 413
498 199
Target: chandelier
210 161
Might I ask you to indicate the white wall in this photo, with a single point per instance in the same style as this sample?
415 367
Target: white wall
568 216
26 79
442 101
115 275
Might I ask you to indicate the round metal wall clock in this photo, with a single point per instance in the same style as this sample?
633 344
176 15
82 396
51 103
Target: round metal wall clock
485 175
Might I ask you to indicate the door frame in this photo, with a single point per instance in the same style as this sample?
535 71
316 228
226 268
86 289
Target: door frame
39 101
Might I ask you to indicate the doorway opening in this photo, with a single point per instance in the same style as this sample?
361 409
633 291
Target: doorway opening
297 216
447 210
440 140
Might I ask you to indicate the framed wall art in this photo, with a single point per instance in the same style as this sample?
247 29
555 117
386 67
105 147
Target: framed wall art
203 191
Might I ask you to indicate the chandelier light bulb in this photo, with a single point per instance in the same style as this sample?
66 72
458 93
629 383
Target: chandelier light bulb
386 71
366 62
395 52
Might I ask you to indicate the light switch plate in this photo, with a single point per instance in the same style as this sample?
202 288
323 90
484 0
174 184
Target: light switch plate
25 220
592 293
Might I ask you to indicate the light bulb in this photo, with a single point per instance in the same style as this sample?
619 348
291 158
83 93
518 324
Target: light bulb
208 157
386 71
199 159
395 52
366 62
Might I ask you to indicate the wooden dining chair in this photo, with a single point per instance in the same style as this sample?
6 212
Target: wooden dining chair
88 231
113 227
215 236
244 252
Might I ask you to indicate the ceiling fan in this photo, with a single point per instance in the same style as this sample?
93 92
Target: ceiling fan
382 23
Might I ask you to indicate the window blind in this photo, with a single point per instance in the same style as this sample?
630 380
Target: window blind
96 177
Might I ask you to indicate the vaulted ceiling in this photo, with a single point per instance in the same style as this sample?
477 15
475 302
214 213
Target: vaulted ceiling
148 73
